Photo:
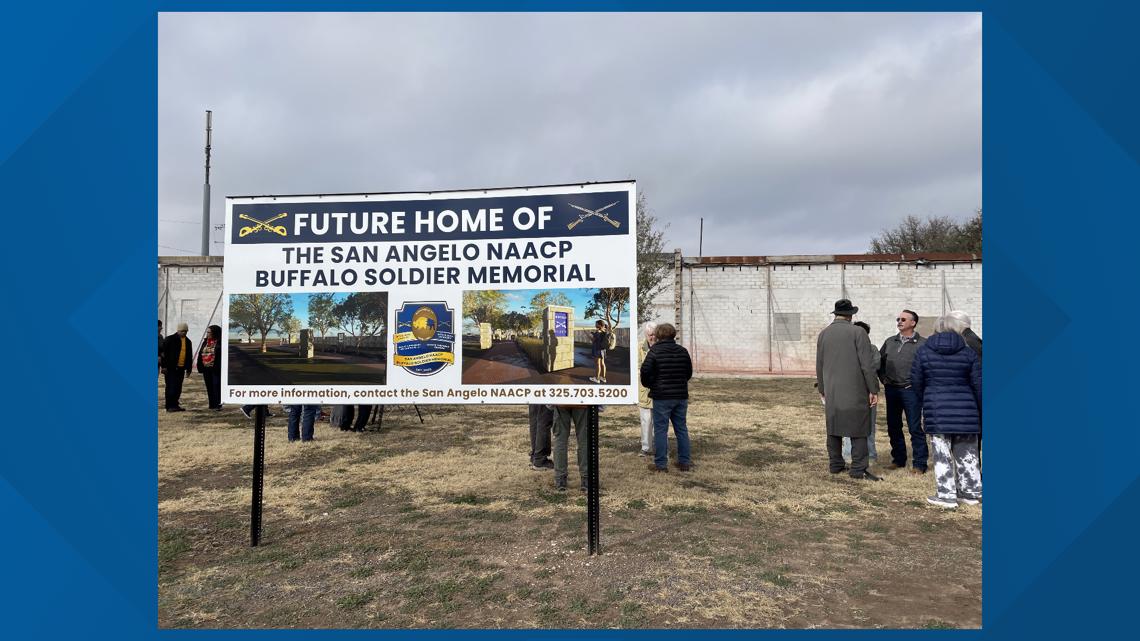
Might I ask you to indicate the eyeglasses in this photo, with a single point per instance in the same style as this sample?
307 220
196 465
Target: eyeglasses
901 320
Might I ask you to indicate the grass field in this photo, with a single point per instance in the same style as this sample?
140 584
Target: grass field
443 525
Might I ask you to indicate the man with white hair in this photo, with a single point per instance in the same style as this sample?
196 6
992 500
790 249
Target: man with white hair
177 362
973 341
644 403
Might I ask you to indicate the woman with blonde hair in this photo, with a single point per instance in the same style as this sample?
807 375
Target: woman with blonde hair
947 378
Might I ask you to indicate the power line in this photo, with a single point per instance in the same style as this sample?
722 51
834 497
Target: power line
177 249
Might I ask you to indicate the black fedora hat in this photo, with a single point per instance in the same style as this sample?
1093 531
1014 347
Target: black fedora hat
843 307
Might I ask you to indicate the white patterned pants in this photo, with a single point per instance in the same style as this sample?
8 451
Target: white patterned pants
646 416
957 468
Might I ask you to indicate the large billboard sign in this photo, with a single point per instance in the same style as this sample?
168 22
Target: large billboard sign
521 295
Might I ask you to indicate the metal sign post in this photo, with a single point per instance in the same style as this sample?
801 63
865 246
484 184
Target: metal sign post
258 474
593 508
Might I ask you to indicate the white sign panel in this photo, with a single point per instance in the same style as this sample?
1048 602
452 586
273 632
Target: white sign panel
523 295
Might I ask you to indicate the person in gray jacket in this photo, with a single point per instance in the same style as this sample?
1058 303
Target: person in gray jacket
845 373
896 357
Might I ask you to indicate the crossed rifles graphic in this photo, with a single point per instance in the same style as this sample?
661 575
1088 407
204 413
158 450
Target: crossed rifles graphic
594 212
262 224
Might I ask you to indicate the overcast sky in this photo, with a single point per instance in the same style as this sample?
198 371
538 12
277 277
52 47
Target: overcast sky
788 133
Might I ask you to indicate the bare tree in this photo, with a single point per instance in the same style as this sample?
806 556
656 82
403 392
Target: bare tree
935 234
653 267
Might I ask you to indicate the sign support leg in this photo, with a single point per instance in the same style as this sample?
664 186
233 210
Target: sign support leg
593 508
258 475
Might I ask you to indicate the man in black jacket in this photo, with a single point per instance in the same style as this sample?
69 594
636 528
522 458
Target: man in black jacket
666 372
177 361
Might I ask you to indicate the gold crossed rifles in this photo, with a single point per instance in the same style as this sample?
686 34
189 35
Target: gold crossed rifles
594 212
262 224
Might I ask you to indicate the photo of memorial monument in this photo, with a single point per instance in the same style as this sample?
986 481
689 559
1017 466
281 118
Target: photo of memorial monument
308 339
546 336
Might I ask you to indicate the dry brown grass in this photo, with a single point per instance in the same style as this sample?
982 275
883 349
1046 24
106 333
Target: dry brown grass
445 525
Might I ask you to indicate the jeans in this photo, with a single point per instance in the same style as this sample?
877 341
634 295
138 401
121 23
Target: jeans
664 411
870 439
646 415
305 414
900 399
562 418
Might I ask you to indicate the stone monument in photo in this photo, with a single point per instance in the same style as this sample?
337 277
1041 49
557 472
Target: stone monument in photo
558 337
306 346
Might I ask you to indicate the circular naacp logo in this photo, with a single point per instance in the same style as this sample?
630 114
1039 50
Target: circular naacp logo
424 323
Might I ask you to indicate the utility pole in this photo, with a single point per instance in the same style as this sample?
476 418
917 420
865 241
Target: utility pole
206 188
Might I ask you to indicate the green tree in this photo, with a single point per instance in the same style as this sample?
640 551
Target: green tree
515 321
935 234
484 306
321 316
654 266
261 312
362 314
292 327
542 300
608 303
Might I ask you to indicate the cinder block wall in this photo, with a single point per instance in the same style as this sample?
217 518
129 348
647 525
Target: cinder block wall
189 288
763 316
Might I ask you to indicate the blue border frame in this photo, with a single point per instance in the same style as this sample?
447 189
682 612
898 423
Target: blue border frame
78 169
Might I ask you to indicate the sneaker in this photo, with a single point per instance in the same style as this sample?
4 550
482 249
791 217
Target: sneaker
543 466
866 476
603 380
684 467
246 412
968 501
949 504
918 471
653 468
594 379
643 453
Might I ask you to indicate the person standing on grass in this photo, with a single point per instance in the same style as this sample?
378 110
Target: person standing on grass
644 404
872 454
666 372
600 341
896 357
210 365
541 420
305 415
177 362
845 374
947 378
563 416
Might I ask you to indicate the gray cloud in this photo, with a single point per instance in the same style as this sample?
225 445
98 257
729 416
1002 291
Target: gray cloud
788 133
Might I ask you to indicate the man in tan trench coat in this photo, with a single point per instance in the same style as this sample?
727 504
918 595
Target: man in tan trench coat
845 371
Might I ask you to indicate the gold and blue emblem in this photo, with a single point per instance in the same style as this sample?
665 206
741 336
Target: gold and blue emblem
424 340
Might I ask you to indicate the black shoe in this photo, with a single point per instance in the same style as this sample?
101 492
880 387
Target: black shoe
176 409
866 476
246 413
561 487
543 466
839 471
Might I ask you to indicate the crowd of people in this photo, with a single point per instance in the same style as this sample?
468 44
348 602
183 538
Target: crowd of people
934 383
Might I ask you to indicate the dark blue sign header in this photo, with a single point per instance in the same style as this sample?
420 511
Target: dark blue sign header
528 216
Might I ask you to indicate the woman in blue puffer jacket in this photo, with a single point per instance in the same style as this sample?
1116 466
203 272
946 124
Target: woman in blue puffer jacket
947 377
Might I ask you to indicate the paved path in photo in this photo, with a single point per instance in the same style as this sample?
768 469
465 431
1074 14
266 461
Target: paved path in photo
505 364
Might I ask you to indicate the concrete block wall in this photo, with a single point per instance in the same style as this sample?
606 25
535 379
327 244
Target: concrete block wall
189 288
729 315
